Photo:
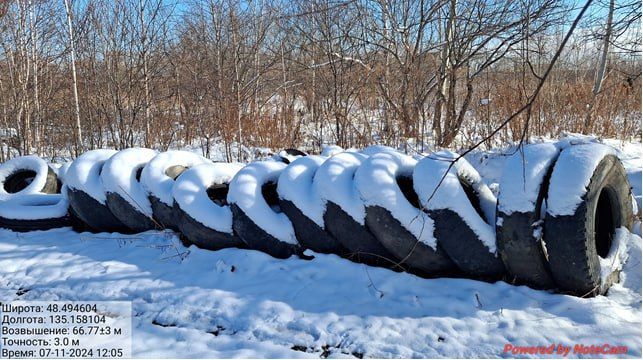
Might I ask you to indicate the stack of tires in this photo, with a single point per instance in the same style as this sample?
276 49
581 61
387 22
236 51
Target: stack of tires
553 224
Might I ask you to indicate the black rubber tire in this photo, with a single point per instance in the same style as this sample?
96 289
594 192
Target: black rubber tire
20 179
362 245
464 248
33 225
205 237
258 239
309 234
127 214
96 215
571 240
403 245
523 256
166 216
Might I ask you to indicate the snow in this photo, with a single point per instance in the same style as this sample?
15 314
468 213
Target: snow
376 182
266 306
330 150
571 176
296 185
617 255
84 173
438 187
190 192
154 179
522 176
486 198
28 162
34 207
334 182
376 149
62 170
119 176
245 192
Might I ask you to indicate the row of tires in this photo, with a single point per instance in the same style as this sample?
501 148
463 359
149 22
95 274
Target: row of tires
551 223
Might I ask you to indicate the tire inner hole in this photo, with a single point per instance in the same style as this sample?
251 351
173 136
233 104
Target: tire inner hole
473 197
174 171
18 181
405 183
604 223
269 192
218 193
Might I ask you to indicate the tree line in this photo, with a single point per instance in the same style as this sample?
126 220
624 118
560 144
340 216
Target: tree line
232 74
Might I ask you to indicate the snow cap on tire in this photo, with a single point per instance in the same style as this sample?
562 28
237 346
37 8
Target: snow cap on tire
35 207
119 176
84 173
157 182
439 187
246 192
296 185
376 181
190 193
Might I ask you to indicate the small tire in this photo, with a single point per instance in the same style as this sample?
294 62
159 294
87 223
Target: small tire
26 175
579 239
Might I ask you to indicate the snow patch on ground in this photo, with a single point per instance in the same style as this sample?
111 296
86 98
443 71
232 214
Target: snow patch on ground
189 302
245 192
190 193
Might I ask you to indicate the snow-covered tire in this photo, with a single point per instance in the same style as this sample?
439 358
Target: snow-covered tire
345 213
157 179
589 199
462 208
300 201
523 193
26 175
394 215
126 198
200 195
289 155
30 212
257 218
86 193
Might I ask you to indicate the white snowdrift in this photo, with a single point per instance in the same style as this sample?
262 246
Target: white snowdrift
296 185
376 181
334 182
190 192
84 173
119 176
245 192
523 175
28 162
154 179
438 187
62 171
571 176
34 207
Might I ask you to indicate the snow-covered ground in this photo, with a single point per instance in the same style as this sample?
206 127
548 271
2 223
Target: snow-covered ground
189 302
